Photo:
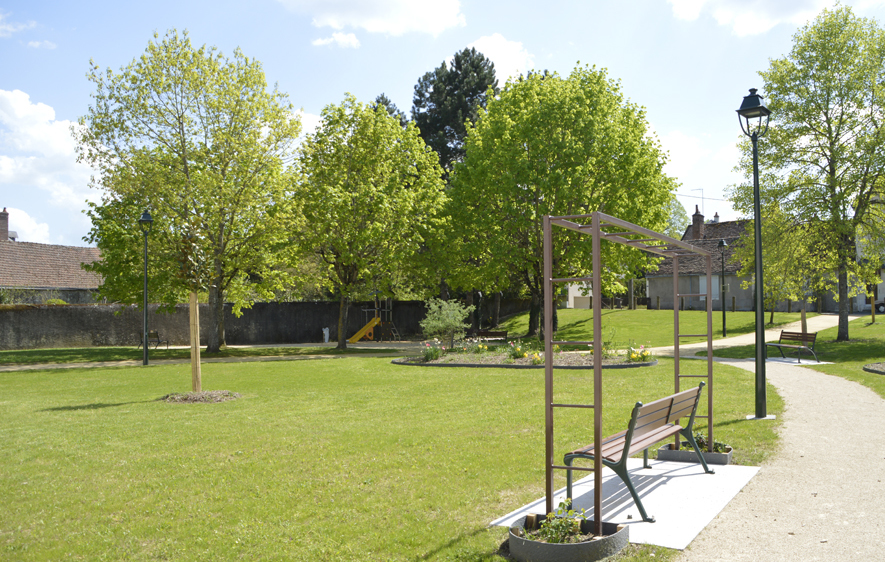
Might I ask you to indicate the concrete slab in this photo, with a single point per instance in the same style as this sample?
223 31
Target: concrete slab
682 498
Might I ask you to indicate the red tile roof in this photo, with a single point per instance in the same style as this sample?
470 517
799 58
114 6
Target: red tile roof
39 266
730 231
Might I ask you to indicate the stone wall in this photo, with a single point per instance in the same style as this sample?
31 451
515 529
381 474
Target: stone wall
47 326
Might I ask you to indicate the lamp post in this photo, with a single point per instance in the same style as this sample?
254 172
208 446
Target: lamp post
722 246
145 222
751 115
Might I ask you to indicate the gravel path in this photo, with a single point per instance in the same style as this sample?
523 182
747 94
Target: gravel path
822 496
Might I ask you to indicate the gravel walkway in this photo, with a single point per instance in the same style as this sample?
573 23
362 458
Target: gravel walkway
822 496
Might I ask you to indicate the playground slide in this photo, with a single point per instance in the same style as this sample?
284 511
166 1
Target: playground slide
366 329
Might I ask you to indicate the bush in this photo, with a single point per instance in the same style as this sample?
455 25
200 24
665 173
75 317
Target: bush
445 319
55 301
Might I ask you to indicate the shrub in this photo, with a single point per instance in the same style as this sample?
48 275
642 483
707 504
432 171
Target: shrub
445 319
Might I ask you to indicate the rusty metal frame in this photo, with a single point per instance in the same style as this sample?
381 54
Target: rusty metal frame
649 241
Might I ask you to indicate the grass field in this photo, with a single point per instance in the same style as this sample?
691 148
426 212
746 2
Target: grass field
646 327
98 354
344 459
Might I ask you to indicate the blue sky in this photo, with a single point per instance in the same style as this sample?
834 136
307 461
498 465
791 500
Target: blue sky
688 62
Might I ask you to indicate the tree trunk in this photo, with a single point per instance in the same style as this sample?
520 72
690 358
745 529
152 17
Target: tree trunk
804 320
496 310
196 375
771 317
534 314
842 333
443 290
343 309
216 326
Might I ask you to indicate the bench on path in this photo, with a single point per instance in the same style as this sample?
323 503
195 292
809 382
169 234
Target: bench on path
649 425
487 333
801 342
154 338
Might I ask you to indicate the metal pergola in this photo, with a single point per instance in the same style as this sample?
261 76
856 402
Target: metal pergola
600 226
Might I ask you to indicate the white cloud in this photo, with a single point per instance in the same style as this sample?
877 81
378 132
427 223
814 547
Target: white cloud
343 40
510 57
751 17
38 162
27 228
7 28
41 44
393 17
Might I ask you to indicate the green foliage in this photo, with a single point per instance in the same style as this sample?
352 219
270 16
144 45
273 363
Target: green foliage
824 155
517 351
55 301
197 138
370 194
677 219
446 319
718 447
448 98
385 102
558 146
638 354
562 525
432 352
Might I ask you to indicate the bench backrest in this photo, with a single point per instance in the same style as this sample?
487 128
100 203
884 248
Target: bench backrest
153 335
798 337
666 410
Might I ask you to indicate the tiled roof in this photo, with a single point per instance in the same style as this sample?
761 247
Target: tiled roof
30 265
729 231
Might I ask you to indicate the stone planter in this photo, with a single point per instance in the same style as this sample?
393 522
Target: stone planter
687 454
615 538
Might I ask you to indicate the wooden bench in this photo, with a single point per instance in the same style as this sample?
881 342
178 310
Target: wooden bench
801 342
649 424
154 338
487 333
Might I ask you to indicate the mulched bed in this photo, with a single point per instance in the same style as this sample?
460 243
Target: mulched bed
877 368
564 359
205 397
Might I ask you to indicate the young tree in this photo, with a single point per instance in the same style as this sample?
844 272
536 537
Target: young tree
558 146
450 96
197 138
826 144
677 219
371 191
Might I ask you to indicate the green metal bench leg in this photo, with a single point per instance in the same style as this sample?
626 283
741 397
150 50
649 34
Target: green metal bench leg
621 470
690 438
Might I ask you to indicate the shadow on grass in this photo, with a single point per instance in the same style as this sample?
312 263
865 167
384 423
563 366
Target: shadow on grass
472 556
96 406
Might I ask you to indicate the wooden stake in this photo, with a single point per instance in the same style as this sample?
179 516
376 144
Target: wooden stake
196 382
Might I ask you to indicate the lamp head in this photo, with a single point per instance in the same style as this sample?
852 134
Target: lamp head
752 109
145 221
722 245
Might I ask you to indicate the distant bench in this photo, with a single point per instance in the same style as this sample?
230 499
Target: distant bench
154 338
649 424
801 342
487 333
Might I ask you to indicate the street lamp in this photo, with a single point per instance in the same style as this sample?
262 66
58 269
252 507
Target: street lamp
722 246
145 223
751 115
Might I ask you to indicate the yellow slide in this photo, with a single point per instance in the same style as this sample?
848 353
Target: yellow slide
366 331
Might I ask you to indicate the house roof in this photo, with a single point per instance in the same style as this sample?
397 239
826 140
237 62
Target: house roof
729 231
46 266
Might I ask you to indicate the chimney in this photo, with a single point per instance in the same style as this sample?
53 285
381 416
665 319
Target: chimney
697 225
4 225
716 218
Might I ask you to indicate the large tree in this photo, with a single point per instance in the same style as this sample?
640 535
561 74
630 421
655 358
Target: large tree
197 138
558 146
825 148
450 96
371 192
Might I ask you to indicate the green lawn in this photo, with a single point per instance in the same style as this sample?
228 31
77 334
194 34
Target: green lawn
647 327
347 459
96 354
866 345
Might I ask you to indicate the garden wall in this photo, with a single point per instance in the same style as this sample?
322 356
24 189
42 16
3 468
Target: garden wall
47 326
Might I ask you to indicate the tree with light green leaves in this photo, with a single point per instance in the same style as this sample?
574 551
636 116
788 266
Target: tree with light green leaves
549 145
371 194
825 148
677 219
198 139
